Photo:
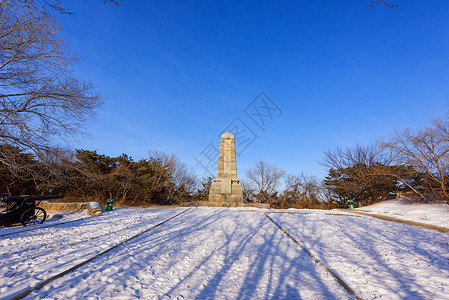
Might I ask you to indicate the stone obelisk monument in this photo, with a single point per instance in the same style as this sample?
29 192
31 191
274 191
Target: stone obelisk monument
226 187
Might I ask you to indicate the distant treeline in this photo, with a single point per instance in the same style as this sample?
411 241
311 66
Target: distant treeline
410 163
86 175
413 163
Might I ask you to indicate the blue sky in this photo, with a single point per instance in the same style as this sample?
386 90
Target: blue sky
177 73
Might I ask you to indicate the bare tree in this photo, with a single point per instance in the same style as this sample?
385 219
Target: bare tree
248 191
360 172
427 151
203 188
266 177
301 191
57 5
368 155
42 105
442 127
183 180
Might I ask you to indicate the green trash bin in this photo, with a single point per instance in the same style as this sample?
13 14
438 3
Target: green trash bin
110 204
351 204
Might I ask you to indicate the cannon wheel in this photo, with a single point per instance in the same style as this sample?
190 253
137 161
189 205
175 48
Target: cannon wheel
33 216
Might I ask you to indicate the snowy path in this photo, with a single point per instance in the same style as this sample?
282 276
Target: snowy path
31 257
378 259
205 253
219 253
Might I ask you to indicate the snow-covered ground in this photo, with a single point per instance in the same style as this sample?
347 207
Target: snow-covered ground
434 214
52 220
227 253
31 257
378 259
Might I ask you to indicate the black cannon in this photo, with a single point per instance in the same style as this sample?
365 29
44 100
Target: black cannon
23 209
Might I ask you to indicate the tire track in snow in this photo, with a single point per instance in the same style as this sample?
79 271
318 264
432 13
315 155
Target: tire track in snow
332 273
42 284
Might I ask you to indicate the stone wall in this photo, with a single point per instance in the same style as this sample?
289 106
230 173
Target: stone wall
93 208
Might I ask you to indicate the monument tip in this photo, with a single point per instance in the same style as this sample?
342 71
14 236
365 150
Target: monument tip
227 135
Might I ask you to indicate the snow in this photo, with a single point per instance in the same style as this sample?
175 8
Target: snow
433 214
229 253
52 219
376 258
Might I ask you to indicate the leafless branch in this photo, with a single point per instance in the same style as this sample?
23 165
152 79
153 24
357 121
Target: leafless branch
377 3
266 177
427 151
42 104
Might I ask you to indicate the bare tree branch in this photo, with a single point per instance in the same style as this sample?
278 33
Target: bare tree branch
42 105
377 3
266 177
427 151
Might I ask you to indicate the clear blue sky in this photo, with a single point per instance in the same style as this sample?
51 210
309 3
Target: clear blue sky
177 73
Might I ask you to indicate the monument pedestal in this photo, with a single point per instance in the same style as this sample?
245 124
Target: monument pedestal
226 190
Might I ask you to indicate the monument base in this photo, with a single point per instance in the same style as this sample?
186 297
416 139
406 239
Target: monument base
226 190
223 204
